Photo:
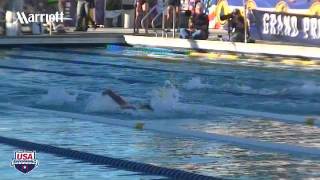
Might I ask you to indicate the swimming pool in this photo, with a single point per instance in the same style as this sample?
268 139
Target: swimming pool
54 96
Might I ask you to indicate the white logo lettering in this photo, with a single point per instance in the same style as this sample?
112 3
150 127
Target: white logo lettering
273 22
280 26
318 28
286 22
32 18
313 28
288 25
294 25
306 27
266 18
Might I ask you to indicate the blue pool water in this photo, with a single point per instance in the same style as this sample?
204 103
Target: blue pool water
252 100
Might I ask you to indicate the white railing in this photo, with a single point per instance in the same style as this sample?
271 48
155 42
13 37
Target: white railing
161 9
146 17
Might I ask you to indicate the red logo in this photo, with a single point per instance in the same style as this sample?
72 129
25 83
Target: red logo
25 161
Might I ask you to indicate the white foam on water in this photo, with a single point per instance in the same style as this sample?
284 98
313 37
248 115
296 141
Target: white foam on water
57 96
248 89
196 83
165 99
5 129
307 88
100 103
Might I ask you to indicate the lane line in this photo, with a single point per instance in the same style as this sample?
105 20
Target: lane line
70 74
157 70
68 51
118 66
106 160
288 118
178 132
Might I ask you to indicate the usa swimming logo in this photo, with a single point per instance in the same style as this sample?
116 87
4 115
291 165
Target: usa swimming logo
25 161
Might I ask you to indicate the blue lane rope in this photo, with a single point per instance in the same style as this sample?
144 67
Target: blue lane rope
107 161
77 52
117 66
70 74
155 70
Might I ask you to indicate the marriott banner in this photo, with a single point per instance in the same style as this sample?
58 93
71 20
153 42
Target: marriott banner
286 27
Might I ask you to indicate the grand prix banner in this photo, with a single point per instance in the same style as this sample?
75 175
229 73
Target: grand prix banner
215 8
286 27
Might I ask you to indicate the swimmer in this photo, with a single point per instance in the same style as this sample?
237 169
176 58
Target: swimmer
123 103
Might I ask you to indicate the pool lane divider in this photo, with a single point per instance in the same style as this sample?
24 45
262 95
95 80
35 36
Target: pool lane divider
187 53
117 66
248 143
95 63
215 91
105 54
71 74
165 51
105 160
124 66
160 70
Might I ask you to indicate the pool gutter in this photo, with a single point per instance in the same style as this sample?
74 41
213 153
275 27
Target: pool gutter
64 40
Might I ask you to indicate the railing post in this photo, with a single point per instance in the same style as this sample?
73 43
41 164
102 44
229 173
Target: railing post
245 21
145 18
163 18
174 22
135 16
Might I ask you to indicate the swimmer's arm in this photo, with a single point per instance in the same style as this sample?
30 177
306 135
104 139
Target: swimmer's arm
118 99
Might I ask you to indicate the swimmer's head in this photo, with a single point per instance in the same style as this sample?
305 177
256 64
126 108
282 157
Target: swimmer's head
106 92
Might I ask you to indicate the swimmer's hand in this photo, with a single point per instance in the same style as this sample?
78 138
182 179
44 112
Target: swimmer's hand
146 107
128 106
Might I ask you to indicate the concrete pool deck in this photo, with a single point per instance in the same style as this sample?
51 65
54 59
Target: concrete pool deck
236 49
98 37
105 36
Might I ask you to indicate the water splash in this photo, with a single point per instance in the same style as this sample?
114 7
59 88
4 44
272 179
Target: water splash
196 83
98 103
305 88
57 96
248 89
165 98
